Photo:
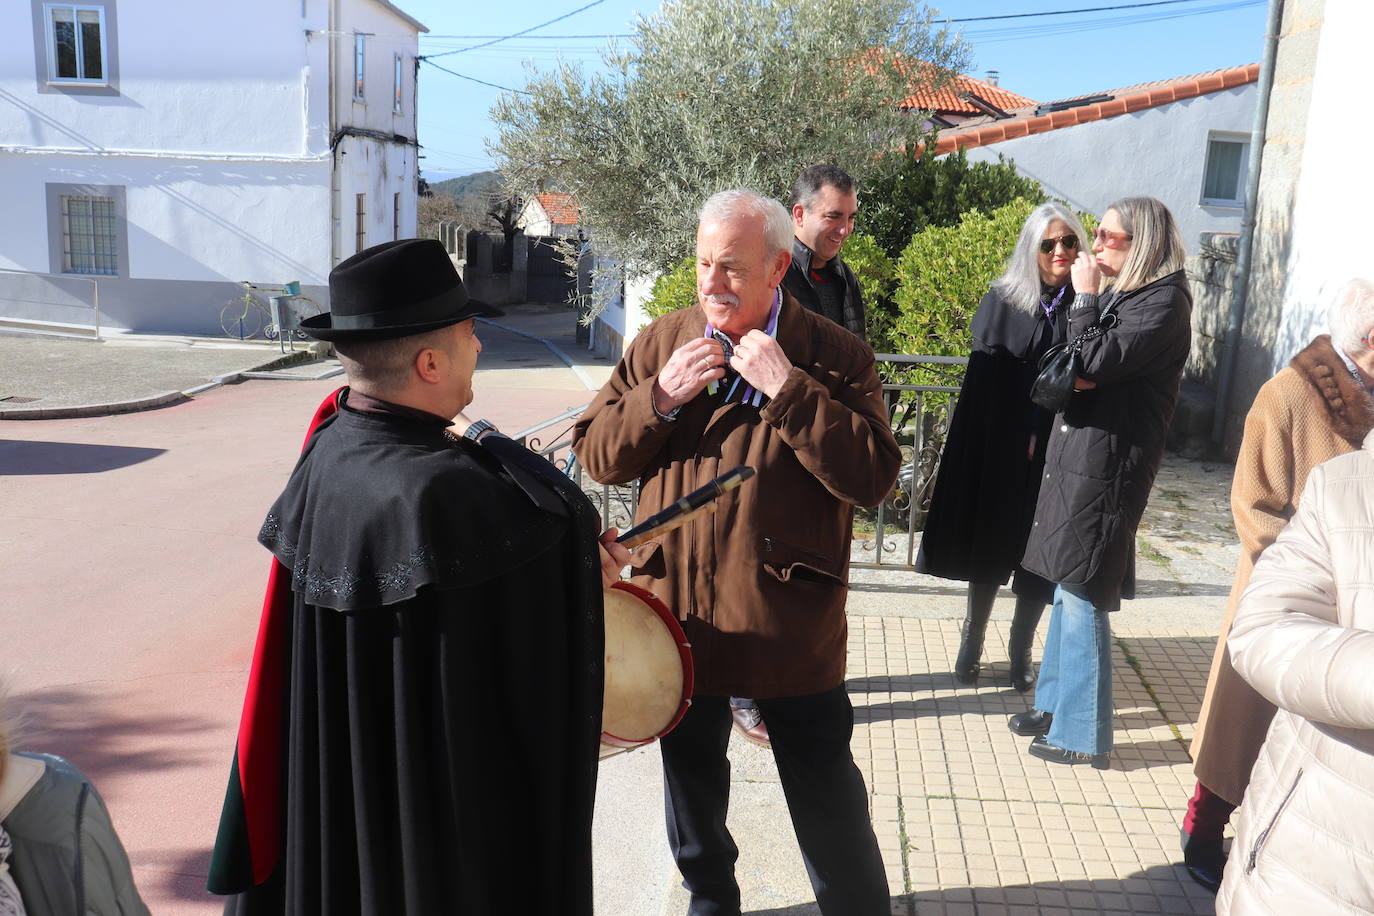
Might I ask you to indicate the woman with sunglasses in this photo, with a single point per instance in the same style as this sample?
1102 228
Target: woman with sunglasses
993 459
1104 450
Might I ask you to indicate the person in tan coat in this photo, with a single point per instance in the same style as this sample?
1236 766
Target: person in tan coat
748 376
1303 637
1313 410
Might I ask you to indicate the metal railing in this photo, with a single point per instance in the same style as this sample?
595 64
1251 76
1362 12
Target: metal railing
919 410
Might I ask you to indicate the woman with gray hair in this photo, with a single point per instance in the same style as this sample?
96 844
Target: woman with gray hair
990 470
1316 408
1104 451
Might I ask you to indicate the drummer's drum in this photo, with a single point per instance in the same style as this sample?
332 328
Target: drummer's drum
648 670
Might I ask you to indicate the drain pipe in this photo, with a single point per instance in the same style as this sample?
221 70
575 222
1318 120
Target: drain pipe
1231 350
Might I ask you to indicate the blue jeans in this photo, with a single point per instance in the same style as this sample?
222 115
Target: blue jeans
1076 675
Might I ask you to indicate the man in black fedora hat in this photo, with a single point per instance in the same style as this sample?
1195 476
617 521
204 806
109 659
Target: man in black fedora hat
416 575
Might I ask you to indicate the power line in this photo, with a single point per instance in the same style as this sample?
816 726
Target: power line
500 38
1090 9
473 79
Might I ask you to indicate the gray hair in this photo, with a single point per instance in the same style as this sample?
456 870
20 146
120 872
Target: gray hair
1352 315
727 205
1019 284
1156 244
381 367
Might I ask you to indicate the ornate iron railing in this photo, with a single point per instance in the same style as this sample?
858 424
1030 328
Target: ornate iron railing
920 393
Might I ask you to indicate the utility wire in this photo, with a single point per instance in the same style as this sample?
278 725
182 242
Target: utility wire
497 39
473 79
1090 9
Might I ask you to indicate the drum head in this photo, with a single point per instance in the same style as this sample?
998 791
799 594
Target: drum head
644 671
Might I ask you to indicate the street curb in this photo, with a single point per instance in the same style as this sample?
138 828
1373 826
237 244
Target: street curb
165 399
576 369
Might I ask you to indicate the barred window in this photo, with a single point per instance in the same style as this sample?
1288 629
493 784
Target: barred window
90 238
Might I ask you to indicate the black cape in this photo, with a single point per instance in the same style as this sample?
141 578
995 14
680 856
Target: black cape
441 691
986 487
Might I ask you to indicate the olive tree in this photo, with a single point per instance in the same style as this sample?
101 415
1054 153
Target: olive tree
714 94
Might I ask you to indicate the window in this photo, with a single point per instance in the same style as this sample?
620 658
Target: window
90 235
396 99
396 216
360 225
1223 182
359 68
76 43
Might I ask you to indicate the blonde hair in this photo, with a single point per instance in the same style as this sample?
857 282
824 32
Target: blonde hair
1156 244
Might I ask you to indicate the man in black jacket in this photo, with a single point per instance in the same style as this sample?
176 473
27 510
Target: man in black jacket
824 203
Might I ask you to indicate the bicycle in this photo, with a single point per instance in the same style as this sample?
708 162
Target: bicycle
243 317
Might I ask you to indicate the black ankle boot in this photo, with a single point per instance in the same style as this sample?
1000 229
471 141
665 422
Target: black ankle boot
980 598
1031 722
1203 859
1023 624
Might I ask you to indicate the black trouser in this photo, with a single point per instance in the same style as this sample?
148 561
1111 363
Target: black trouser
825 796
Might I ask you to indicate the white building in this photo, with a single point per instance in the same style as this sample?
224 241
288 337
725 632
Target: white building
1184 141
169 152
549 214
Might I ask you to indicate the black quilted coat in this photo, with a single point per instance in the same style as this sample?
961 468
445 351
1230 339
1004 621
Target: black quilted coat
1105 447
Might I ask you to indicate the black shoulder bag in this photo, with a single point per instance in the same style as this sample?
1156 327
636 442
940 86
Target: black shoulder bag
1063 363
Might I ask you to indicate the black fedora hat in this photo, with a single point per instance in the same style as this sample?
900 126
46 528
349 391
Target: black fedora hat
394 289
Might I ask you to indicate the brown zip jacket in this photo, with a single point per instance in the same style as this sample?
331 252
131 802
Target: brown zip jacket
760 583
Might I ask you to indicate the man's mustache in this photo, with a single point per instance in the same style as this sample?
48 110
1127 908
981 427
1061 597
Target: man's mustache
725 299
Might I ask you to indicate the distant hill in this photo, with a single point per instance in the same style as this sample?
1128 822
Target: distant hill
473 187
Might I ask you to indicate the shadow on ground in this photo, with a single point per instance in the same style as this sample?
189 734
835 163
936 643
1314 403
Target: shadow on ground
1161 889
24 459
101 729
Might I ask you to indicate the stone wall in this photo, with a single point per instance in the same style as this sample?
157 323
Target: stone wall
483 281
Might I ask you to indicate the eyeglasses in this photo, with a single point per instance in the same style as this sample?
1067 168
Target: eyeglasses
1070 243
1108 239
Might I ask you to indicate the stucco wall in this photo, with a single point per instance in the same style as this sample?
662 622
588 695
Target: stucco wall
1288 155
219 143
1329 242
1159 152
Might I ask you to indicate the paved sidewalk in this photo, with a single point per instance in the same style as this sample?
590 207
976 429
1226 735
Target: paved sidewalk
967 821
46 377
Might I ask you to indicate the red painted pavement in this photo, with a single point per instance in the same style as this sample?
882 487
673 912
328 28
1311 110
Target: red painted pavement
132 583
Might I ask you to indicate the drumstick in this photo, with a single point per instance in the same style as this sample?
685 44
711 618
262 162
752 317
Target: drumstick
685 509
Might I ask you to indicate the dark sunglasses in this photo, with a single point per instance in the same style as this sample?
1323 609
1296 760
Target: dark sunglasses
1070 243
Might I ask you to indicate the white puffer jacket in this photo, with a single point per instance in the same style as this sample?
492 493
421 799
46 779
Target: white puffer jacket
1304 638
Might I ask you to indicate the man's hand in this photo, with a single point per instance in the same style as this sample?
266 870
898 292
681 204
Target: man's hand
1087 276
760 361
691 368
614 557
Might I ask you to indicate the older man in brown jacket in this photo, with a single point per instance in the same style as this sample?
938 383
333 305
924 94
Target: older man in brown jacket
760 584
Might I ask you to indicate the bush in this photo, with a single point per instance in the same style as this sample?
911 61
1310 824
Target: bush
674 290
942 275
911 193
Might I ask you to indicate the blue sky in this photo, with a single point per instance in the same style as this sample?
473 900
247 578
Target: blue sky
1044 58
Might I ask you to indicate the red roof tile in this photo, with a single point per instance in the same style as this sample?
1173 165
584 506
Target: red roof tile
951 97
561 209
1134 98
